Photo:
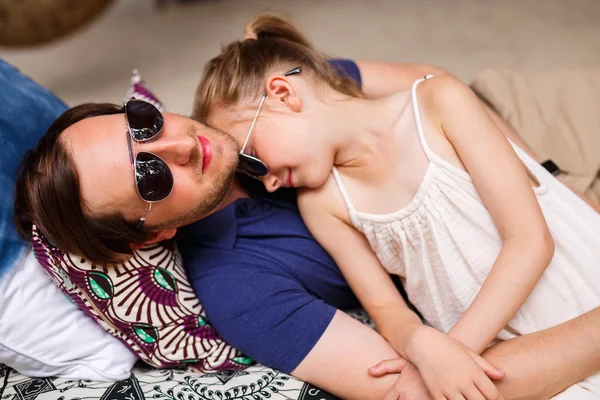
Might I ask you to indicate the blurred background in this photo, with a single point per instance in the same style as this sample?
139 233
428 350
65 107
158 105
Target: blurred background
169 41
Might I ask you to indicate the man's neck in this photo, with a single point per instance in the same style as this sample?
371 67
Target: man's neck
237 191
241 190
244 187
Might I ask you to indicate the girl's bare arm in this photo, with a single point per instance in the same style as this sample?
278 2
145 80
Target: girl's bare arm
502 182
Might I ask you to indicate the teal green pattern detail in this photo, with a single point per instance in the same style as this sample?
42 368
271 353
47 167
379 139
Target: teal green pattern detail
148 334
165 279
101 285
243 360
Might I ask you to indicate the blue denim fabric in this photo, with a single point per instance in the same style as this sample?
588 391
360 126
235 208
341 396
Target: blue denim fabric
26 111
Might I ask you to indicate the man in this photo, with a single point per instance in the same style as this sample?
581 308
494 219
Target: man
265 283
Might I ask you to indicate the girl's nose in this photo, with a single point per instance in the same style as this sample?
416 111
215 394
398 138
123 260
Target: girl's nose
173 149
271 182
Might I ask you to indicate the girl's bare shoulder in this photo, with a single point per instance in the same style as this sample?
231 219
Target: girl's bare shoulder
443 91
441 97
324 201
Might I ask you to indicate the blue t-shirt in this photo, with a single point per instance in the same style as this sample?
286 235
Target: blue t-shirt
266 285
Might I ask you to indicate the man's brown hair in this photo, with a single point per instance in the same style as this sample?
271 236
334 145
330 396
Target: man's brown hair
47 194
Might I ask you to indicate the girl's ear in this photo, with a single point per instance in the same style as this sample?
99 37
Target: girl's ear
281 89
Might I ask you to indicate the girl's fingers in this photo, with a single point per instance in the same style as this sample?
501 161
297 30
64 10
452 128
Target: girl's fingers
487 367
488 389
473 393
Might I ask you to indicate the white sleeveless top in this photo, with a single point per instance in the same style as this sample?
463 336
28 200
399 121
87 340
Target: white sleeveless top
444 243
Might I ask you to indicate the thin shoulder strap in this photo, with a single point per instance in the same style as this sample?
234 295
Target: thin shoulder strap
342 188
417 112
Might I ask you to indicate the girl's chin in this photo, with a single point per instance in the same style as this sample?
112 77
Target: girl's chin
314 184
310 182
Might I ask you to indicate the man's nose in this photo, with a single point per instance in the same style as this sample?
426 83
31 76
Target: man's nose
173 149
271 182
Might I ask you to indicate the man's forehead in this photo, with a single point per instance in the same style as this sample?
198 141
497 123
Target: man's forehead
90 128
97 141
98 147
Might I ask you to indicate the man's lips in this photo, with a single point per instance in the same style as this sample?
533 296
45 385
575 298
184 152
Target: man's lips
206 152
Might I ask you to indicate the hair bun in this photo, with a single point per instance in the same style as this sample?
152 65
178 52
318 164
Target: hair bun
271 26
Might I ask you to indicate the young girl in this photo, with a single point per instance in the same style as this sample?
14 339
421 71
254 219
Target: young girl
421 184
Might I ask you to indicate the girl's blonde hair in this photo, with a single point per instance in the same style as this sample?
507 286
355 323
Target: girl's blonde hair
240 70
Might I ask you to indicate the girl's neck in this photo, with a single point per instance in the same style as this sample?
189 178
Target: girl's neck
359 127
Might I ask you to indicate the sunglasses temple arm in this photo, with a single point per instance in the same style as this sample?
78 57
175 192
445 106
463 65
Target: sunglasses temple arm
140 223
294 71
254 121
129 146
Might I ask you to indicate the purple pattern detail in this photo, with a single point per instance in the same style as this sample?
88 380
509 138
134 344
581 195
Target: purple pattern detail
139 90
142 90
191 327
153 291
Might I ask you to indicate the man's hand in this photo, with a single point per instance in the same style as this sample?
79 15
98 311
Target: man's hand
409 386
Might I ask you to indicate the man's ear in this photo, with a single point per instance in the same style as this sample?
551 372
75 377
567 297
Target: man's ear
281 89
158 236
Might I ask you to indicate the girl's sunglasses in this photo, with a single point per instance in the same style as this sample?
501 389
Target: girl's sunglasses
251 165
153 177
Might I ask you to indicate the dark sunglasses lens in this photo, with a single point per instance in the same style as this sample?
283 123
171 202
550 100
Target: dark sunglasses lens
145 121
153 177
252 166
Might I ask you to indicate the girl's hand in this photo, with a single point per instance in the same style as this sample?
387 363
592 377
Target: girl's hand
451 370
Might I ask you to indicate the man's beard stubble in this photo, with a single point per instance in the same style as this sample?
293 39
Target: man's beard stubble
220 189
221 186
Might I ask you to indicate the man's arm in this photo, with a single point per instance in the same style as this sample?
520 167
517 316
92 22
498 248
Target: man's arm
544 363
263 311
340 360
537 366
272 318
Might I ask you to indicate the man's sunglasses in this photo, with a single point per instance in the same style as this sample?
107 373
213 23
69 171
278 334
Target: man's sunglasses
251 165
153 177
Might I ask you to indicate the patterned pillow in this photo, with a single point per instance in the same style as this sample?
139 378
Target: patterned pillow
146 302
139 90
